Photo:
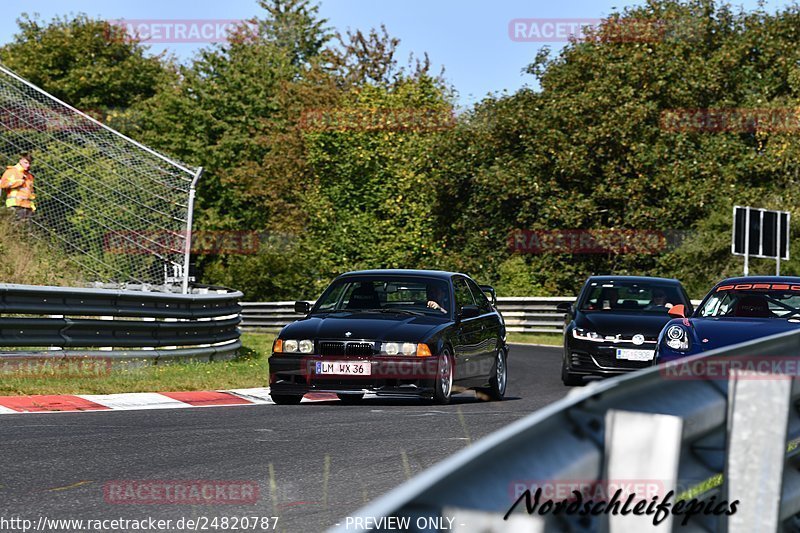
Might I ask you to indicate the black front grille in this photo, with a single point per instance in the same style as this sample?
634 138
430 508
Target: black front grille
331 348
587 362
357 349
582 360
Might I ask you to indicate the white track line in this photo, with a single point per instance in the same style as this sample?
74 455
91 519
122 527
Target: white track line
134 400
258 395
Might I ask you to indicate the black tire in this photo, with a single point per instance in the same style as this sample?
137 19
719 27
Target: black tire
443 382
569 379
286 399
351 399
499 380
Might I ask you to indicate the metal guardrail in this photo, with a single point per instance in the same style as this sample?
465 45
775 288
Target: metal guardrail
148 325
533 314
710 439
268 314
526 314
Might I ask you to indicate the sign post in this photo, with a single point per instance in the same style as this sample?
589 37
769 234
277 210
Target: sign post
746 243
778 255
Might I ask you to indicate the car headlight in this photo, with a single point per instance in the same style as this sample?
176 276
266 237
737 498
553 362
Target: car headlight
585 335
306 346
290 346
293 346
677 338
407 349
390 348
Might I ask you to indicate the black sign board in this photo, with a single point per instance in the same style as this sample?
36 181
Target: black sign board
760 233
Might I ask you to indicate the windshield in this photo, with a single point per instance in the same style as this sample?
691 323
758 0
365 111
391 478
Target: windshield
752 304
387 294
644 297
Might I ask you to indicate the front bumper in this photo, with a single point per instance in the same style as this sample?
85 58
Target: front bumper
389 376
586 358
667 354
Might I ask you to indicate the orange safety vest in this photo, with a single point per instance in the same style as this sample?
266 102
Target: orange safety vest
19 184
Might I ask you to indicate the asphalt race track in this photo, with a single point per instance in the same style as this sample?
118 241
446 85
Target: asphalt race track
311 464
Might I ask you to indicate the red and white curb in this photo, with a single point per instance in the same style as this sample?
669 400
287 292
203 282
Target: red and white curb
142 400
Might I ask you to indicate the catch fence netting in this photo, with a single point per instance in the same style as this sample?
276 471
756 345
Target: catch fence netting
116 208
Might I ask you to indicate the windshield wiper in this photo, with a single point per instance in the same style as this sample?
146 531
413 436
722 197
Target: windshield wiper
406 311
377 310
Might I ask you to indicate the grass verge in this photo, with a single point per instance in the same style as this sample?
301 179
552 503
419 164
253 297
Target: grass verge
249 369
551 339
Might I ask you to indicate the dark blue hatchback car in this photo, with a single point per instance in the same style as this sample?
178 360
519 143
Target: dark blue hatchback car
734 311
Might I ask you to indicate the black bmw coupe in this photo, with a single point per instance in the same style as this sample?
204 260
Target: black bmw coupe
613 326
401 333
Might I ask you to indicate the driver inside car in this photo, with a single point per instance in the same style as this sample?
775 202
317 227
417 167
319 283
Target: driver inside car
437 298
659 301
609 298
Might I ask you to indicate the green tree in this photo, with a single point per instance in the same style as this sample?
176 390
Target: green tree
246 113
372 204
219 110
88 63
590 149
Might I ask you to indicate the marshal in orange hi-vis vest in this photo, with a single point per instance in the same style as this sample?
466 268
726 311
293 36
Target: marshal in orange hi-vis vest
19 185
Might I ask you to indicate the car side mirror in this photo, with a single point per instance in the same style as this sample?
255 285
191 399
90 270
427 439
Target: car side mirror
469 311
302 307
564 307
490 293
677 311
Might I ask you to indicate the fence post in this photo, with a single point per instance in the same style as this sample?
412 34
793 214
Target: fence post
187 251
106 348
643 452
758 417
